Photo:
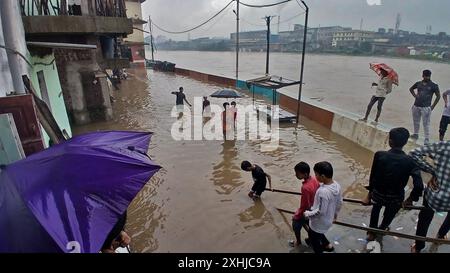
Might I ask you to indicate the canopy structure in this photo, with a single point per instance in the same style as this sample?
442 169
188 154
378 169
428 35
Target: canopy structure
273 82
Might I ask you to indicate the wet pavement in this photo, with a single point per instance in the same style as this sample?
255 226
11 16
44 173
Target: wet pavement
198 202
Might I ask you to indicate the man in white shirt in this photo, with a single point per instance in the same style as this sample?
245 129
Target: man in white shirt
445 120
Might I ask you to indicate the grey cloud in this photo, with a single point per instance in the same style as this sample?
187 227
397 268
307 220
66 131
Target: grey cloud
182 14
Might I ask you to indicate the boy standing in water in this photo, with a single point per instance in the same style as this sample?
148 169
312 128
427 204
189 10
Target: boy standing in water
327 204
308 190
259 178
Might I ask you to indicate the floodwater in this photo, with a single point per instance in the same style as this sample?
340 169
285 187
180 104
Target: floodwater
198 202
343 82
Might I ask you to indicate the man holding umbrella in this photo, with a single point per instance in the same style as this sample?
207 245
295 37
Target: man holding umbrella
384 87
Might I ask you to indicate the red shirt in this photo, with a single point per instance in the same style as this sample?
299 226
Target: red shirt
309 188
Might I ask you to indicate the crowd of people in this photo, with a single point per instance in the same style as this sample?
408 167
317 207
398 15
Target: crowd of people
423 92
391 170
322 198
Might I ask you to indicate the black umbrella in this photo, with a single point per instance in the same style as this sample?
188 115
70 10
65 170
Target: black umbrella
226 94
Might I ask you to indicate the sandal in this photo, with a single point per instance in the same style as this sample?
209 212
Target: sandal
414 249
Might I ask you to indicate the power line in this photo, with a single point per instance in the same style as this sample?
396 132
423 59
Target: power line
196 27
303 8
291 18
251 23
274 23
18 53
265 6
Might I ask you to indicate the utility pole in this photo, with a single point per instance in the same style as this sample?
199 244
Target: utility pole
305 34
268 19
14 37
151 38
237 40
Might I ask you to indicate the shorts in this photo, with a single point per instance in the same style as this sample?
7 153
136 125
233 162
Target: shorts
445 121
259 188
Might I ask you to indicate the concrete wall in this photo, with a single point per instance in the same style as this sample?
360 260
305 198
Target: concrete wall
47 64
44 25
82 93
346 124
134 11
10 146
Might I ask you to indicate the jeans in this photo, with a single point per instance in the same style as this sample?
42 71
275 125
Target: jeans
373 100
388 216
425 217
318 241
423 113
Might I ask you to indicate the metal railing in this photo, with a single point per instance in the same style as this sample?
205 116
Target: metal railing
107 8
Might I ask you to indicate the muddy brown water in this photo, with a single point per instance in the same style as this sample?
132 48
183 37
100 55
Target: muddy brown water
198 202
343 82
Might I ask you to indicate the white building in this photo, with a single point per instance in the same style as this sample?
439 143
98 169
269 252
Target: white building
349 37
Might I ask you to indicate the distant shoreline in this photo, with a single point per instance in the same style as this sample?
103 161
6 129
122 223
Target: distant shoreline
417 58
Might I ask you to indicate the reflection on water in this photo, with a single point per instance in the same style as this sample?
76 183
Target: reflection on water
198 202
226 173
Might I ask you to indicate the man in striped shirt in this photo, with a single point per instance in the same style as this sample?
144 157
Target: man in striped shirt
437 194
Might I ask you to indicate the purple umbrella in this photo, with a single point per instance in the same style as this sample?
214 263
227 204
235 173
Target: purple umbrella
72 194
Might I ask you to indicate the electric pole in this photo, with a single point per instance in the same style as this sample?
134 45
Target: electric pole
237 40
268 20
305 35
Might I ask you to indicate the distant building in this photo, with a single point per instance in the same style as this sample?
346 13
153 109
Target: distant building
323 36
255 40
350 38
135 41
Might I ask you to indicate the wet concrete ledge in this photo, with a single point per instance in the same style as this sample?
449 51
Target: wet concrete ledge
373 137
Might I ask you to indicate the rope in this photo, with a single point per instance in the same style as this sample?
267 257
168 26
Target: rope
18 53
385 232
196 27
349 200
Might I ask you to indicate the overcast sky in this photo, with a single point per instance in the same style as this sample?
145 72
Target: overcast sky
178 15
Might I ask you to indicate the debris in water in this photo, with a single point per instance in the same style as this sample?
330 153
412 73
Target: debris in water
395 237
399 228
361 240
440 214
364 224
336 242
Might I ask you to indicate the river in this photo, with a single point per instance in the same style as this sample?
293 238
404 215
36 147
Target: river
198 201
343 82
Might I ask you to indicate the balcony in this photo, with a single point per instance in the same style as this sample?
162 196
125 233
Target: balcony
56 17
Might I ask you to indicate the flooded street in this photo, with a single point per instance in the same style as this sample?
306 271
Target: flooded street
198 202
342 82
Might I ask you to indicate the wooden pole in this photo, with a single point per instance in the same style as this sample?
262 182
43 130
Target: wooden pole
384 232
349 200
